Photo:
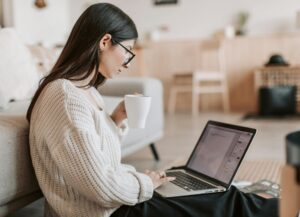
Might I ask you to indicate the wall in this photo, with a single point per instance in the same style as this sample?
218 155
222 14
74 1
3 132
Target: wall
50 25
200 18
187 19
1 14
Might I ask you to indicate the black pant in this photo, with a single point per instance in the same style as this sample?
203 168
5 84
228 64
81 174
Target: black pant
232 203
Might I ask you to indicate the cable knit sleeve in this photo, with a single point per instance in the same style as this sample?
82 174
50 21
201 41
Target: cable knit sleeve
83 157
127 167
87 169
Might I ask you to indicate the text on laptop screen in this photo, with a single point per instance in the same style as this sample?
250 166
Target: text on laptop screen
219 152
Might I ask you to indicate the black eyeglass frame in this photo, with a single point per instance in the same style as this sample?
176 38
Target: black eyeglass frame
129 51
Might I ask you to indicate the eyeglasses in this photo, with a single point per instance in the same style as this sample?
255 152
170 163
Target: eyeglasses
127 50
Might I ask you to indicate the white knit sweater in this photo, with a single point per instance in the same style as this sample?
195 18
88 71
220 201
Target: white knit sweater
76 153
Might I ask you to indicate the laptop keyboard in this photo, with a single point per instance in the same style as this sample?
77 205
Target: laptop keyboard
187 182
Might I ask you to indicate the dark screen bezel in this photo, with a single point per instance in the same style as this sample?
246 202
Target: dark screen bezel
226 125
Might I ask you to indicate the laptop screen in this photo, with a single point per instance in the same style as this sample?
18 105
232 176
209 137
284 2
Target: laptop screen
220 151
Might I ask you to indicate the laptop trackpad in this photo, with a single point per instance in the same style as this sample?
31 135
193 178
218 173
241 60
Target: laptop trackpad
170 190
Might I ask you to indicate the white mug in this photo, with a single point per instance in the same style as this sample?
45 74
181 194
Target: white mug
137 109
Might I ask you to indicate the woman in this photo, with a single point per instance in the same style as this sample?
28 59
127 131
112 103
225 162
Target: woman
74 143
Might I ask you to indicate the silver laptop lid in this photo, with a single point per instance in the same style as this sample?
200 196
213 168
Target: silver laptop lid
220 151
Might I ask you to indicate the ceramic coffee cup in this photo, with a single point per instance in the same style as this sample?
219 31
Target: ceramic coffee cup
137 109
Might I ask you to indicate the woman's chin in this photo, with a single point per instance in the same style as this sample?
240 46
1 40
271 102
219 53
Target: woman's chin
113 75
116 74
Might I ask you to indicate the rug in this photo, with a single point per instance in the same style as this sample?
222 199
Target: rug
254 171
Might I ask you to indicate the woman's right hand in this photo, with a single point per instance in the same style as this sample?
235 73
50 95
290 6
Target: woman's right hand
158 178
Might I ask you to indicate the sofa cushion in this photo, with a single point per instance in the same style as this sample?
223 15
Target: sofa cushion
16 108
19 76
17 176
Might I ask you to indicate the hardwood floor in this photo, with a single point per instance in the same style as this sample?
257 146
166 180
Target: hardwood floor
182 131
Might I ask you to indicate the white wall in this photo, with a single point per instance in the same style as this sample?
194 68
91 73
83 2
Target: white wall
50 25
1 14
200 18
187 19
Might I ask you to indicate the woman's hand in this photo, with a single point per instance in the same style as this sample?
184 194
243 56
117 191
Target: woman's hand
158 178
119 114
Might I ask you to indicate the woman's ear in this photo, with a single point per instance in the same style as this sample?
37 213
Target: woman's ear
105 42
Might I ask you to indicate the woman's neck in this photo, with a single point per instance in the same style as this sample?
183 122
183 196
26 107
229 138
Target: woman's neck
83 83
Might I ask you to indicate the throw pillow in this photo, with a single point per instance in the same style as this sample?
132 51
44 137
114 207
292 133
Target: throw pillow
18 74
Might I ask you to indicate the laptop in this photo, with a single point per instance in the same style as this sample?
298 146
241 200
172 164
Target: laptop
213 163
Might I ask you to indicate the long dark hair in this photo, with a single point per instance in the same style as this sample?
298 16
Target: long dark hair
80 56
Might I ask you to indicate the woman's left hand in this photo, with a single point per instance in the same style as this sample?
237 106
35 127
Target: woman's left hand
119 114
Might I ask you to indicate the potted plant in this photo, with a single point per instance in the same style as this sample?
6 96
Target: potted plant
242 18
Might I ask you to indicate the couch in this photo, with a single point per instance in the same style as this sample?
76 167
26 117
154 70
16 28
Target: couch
18 185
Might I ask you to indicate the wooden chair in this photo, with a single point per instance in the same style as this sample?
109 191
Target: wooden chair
209 79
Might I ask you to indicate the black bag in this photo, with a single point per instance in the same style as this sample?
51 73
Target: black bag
277 100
